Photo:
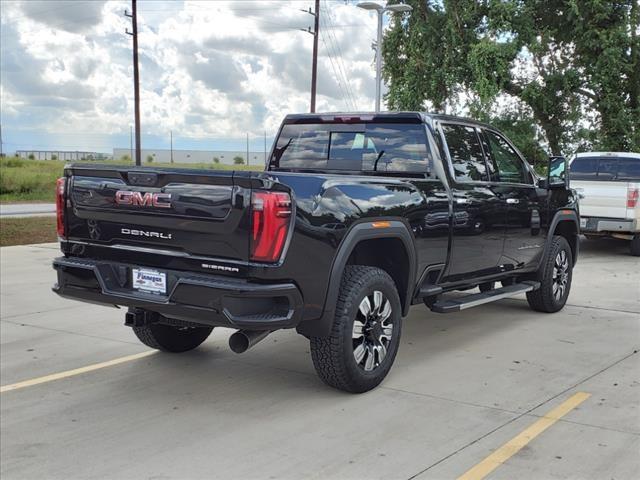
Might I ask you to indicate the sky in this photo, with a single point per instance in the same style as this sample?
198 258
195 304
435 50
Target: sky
210 71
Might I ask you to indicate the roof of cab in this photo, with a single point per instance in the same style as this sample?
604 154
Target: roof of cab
425 117
608 154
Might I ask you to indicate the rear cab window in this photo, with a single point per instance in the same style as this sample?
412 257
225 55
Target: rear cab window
605 168
353 147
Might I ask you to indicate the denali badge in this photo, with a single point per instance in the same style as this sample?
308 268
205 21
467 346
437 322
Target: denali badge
159 200
145 233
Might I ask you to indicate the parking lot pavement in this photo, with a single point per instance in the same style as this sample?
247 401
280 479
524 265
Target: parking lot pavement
463 390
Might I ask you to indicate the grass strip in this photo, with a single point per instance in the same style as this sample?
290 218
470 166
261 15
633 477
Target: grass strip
28 230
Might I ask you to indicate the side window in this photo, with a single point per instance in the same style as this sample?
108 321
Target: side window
584 168
466 153
508 166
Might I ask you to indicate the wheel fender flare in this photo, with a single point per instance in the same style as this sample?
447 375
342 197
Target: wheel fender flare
361 231
561 216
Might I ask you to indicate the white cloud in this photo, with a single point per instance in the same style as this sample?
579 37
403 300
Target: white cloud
208 69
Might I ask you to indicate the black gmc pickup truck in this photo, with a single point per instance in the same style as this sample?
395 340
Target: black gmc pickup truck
355 218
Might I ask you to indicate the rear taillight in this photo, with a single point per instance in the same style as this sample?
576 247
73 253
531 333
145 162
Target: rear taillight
632 197
60 186
270 218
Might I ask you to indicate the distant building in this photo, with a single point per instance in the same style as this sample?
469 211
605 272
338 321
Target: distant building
159 155
62 155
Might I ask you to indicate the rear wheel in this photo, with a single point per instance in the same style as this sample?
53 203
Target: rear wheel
170 338
634 248
364 339
555 278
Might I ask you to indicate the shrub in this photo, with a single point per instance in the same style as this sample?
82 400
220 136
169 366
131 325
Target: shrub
32 156
238 160
216 160
54 157
149 158
125 158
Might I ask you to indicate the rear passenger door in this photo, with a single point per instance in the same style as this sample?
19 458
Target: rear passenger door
514 184
479 215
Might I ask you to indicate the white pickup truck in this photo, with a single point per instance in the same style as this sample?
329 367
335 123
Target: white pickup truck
608 185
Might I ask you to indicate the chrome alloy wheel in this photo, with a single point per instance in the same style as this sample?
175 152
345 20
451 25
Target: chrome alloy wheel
372 331
560 275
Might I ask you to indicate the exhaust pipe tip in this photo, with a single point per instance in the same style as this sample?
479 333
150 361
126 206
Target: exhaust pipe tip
243 340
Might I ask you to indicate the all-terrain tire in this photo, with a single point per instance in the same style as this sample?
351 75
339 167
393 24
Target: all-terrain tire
553 275
334 357
634 248
171 338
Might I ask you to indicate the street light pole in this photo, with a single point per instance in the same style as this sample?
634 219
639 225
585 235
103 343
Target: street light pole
400 8
379 60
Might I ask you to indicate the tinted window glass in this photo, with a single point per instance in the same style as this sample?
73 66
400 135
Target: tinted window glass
510 168
584 168
629 169
355 147
466 153
607 168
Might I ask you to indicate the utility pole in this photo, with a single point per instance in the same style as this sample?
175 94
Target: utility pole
131 141
314 61
247 148
136 74
171 140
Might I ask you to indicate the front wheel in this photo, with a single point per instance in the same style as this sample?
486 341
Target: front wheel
555 278
364 339
171 338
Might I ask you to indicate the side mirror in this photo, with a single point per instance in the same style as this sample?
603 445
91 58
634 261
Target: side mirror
557 173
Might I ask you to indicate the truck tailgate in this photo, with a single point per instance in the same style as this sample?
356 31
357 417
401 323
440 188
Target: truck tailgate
190 212
601 198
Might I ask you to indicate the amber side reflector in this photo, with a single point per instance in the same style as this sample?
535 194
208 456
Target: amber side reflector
381 224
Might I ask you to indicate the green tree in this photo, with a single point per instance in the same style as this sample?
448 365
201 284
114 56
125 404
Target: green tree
216 160
238 160
552 58
149 158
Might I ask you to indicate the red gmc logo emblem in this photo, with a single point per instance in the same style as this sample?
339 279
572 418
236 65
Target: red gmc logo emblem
158 200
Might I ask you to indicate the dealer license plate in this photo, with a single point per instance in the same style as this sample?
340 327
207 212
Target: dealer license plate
583 222
150 281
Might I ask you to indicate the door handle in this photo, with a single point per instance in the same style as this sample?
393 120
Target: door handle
513 201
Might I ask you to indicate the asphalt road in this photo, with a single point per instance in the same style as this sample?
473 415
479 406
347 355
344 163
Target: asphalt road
520 395
18 210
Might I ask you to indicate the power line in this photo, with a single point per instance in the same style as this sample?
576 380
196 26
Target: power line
340 69
341 56
332 52
337 77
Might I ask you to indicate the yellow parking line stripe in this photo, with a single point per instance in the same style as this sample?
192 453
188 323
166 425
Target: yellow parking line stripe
513 446
75 371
